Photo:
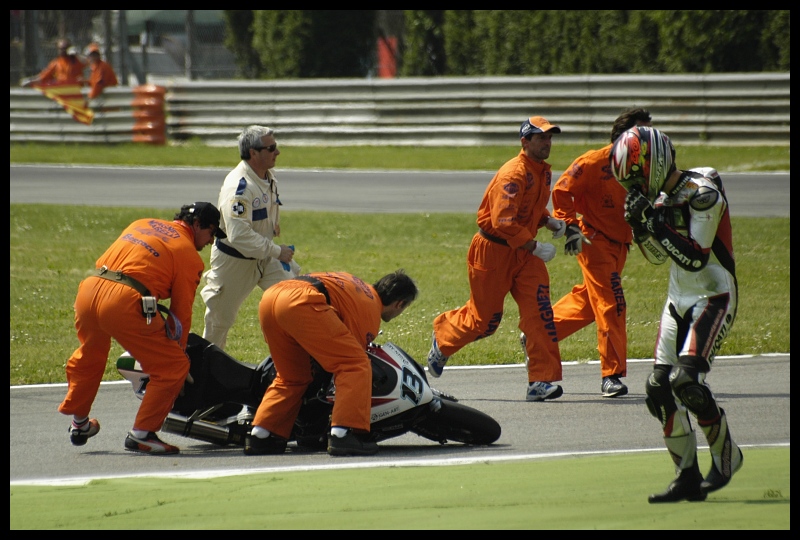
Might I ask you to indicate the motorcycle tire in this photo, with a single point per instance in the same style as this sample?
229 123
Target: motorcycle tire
457 422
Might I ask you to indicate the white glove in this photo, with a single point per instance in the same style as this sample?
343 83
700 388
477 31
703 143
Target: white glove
545 251
557 226
575 239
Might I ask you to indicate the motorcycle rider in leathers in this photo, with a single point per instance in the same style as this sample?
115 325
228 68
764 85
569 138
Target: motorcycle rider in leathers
684 216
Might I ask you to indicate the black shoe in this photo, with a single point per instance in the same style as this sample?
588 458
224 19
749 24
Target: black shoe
613 387
271 445
351 445
79 436
685 486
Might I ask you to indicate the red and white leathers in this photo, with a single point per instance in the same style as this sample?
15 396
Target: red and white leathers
162 256
298 324
699 312
250 216
513 208
588 195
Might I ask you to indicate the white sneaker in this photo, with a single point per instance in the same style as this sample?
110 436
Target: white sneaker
436 360
540 391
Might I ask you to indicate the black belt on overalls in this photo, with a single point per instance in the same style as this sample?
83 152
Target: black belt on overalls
119 277
493 238
230 250
317 285
175 330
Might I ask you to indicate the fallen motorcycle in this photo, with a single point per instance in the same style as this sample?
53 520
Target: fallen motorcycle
218 406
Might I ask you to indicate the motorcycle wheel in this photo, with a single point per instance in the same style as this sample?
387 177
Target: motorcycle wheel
458 423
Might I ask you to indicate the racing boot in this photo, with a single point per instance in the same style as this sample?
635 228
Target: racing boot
726 457
685 486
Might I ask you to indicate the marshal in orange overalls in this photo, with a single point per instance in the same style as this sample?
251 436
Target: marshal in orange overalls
298 323
163 257
587 194
513 208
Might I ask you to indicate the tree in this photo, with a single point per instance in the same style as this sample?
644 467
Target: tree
424 53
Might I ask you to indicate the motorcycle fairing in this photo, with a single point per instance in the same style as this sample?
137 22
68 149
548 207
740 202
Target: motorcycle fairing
398 382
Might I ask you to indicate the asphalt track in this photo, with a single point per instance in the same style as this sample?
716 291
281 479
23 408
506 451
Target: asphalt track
750 194
753 390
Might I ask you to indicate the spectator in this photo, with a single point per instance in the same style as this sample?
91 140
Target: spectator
67 67
591 201
249 257
504 258
331 317
102 75
152 260
684 216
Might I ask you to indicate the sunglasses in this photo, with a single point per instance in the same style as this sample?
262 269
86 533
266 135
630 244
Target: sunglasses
271 148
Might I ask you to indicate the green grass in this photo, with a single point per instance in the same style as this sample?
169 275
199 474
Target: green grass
550 494
456 158
53 247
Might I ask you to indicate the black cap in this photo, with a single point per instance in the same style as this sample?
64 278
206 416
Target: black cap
209 215
537 124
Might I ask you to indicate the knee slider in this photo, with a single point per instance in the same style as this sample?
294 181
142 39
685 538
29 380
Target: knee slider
659 400
694 395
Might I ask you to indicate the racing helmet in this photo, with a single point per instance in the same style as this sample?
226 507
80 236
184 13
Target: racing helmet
643 157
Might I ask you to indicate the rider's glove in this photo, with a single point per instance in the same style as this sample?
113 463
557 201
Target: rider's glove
637 208
545 251
641 215
575 240
640 232
557 226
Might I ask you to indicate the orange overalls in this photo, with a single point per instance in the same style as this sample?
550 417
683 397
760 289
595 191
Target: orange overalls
298 324
63 69
101 77
162 256
513 208
588 188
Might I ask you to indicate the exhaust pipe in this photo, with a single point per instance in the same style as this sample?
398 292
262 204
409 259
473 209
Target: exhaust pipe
204 431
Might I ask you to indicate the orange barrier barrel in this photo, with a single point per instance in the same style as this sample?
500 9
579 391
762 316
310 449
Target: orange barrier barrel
387 57
150 125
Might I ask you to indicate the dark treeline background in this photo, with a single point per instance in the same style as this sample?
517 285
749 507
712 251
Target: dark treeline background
271 44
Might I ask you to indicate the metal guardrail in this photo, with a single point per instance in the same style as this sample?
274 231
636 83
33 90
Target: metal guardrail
35 118
724 109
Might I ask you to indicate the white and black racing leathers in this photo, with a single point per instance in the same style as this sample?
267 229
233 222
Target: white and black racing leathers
691 225
695 232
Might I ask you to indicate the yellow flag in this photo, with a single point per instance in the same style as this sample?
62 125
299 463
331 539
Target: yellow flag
69 96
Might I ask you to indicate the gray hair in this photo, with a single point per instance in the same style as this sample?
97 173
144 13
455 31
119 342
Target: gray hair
250 137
